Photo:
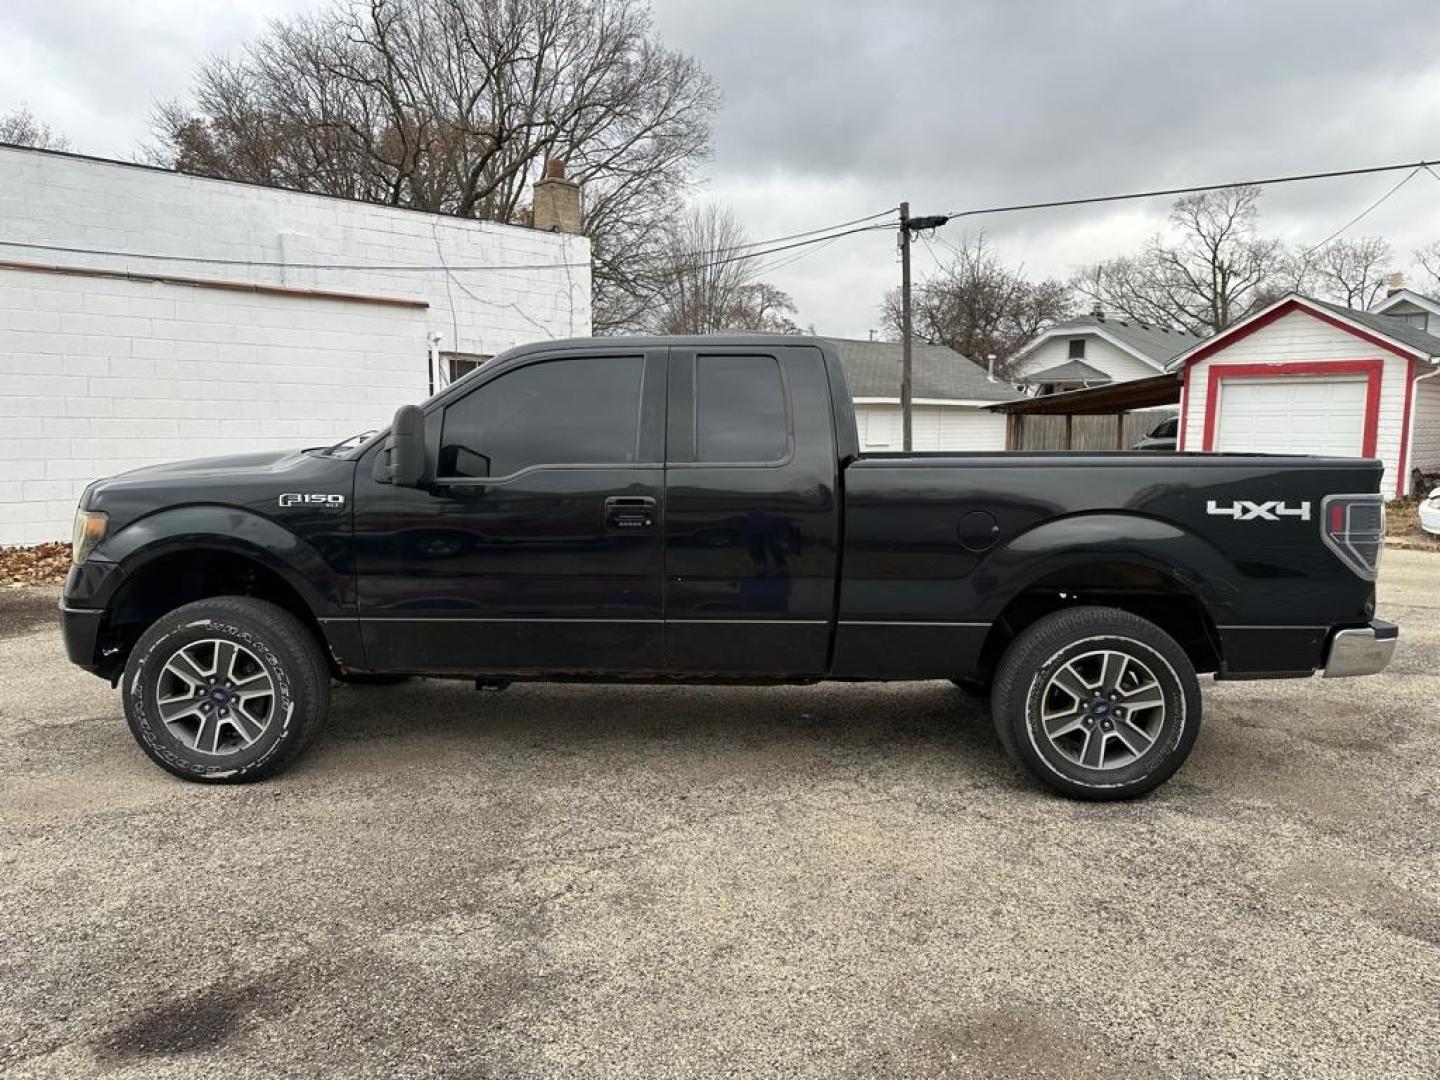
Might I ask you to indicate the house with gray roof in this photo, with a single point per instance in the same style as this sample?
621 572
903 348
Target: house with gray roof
949 397
1096 350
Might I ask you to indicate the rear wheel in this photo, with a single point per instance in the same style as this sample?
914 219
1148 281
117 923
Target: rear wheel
1097 703
226 690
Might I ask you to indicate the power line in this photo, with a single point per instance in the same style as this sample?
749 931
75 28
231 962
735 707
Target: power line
1093 199
740 251
1363 213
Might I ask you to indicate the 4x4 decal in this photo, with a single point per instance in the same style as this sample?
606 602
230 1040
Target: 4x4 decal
1244 510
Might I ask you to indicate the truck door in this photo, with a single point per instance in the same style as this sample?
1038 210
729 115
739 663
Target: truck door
752 511
538 546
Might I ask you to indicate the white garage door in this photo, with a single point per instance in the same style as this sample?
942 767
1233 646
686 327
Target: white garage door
1298 415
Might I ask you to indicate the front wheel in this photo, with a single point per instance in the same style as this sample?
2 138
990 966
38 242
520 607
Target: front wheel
226 690
1097 703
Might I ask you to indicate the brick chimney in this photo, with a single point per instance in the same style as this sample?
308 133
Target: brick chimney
1097 312
556 201
1394 283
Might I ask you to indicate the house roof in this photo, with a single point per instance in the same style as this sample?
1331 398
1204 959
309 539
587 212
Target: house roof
1156 345
1387 330
1070 371
1396 329
1407 296
872 368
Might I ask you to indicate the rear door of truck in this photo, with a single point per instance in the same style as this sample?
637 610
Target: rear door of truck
751 511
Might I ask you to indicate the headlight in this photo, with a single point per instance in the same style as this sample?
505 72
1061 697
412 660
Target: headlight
90 526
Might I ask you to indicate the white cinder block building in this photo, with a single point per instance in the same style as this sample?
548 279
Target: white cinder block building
147 316
1303 376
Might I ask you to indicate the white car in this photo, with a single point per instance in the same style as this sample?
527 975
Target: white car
1430 513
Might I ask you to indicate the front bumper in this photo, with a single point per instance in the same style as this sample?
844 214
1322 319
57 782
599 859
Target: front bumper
81 629
1362 650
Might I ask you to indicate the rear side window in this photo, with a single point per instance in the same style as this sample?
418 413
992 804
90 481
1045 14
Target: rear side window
740 410
1167 429
579 411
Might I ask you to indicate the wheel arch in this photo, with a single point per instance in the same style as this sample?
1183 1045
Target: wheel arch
193 553
1149 567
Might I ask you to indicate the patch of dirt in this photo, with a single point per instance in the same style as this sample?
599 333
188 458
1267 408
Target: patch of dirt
38 564
1402 526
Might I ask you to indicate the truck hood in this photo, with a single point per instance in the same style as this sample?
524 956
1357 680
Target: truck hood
253 481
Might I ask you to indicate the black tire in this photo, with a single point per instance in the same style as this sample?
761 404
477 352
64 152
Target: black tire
368 678
1037 667
267 649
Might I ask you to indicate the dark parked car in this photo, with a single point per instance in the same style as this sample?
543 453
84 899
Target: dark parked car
1163 436
698 509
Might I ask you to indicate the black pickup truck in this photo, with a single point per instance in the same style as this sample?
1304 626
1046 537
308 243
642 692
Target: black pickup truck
698 509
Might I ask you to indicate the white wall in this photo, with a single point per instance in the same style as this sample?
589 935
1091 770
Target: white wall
1120 365
100 374
67 201
933 427
1425 444
1298 337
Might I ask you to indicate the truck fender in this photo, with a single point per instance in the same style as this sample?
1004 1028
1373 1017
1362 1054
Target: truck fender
1123 538
238 531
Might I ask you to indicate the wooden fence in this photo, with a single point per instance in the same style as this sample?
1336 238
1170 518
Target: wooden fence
1117 431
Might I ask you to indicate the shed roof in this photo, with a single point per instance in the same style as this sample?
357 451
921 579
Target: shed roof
872 368
1147 393
1070 371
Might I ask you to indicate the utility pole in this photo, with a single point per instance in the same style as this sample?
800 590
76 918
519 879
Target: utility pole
907 384
909 225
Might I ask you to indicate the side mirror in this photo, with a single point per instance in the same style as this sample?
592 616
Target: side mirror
407 447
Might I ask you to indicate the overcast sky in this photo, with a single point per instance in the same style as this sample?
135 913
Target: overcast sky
839 108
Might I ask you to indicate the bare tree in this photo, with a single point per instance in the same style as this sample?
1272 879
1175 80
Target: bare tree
20 128
1428 257
1350 272
453 106
977 305
1211 271
703 282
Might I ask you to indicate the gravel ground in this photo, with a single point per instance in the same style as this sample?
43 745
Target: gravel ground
839 881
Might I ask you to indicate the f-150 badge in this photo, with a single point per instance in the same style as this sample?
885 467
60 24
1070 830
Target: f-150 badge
1243 510
312 498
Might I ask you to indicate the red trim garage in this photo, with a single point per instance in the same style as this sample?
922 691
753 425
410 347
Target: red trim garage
1303 377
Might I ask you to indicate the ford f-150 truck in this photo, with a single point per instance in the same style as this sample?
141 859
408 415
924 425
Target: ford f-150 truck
699 509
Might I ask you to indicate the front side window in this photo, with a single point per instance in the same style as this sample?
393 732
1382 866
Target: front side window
740 410
583 410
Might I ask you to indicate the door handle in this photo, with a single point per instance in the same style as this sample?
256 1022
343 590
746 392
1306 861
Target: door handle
629 513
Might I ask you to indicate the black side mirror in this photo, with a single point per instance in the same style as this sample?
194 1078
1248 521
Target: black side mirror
407 447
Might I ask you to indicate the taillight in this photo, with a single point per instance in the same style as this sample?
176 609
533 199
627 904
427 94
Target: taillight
1353 526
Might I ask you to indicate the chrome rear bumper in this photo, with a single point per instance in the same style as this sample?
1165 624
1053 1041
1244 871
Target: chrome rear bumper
1361 651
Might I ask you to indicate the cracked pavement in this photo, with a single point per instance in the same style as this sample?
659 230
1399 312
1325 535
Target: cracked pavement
831 881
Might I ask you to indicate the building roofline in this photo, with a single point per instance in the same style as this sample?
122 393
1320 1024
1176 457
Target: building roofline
1061 330
95 159
1294 301
1406 296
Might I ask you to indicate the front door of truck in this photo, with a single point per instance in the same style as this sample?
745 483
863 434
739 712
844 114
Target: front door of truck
538 546
752 511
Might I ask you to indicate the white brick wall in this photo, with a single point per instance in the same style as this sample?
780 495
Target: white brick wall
1298 337
99 374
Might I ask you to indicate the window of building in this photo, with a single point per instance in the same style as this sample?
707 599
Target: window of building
583 410
458 364
1077 348
740 409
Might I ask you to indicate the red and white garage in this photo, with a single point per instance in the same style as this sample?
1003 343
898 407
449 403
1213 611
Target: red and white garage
1306 377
